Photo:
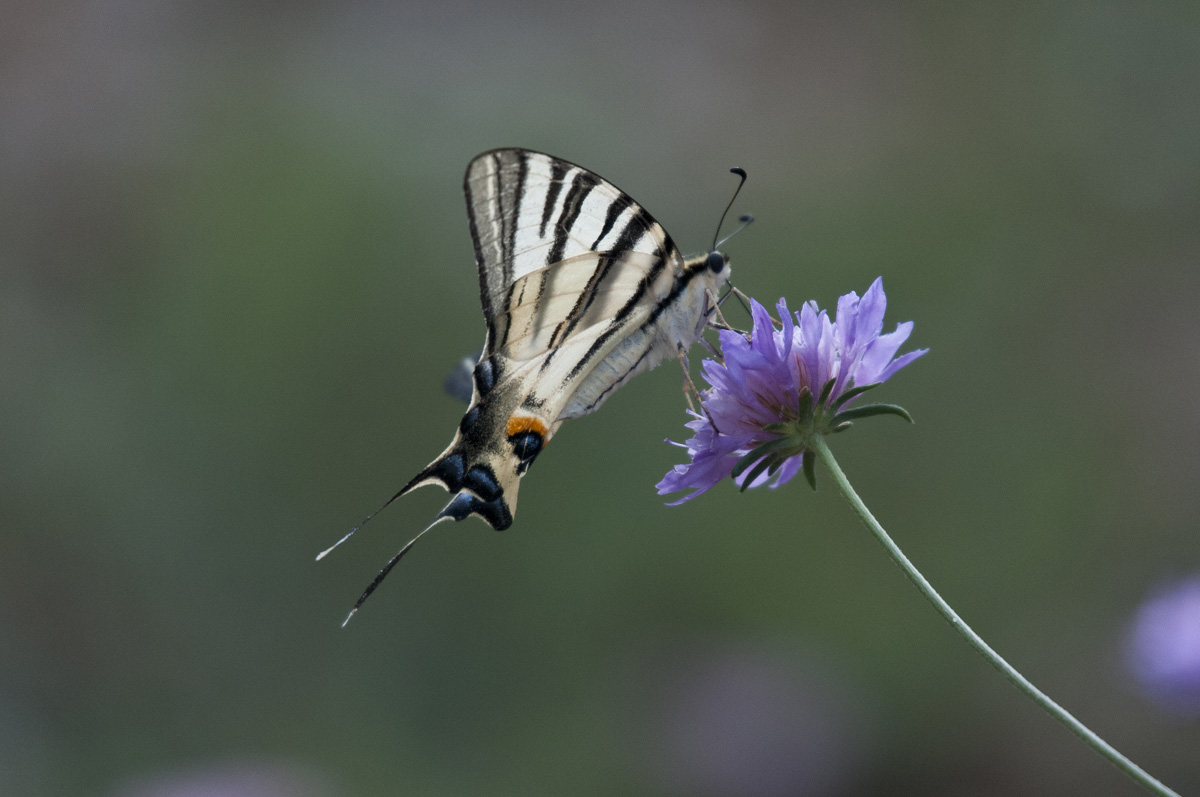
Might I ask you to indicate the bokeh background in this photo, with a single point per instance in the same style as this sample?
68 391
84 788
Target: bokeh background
235 268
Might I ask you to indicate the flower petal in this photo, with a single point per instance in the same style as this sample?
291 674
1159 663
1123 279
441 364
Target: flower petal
880 352
900 362
763 339
753 392
871 307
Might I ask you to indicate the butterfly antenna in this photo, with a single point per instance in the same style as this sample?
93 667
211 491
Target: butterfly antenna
745 221
740 172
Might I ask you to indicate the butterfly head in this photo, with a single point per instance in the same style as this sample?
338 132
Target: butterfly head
717 261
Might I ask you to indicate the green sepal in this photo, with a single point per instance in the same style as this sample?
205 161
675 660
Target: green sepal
825 391
759 452
772 462
841 427
853 392
810 469
804 407
870 410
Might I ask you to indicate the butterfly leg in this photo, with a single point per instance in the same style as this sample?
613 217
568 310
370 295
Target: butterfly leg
689 387
715 309
745 301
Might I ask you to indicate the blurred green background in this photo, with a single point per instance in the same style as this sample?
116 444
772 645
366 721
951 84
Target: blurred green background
235 268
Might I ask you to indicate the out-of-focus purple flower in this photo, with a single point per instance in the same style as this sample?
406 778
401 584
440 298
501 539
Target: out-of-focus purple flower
723 717
232 779
774 391
1164 647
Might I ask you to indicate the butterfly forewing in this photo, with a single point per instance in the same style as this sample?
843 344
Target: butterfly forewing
530 211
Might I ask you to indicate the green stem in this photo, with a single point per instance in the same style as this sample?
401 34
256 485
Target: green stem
1020 681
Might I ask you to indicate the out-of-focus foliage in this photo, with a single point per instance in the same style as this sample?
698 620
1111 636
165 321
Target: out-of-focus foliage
234 269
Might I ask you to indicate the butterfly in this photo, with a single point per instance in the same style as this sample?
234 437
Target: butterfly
581 290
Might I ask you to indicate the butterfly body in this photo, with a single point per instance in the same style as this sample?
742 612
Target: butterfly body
581 290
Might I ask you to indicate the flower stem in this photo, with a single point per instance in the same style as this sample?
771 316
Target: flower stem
1020 681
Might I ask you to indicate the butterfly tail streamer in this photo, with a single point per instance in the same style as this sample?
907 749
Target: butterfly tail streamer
485 499
392 563
467 474
418 480
460 507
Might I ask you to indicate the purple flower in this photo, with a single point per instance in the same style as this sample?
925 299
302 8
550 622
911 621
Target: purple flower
1164 647
772 392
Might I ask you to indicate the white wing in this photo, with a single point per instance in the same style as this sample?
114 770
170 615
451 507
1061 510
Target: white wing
581 290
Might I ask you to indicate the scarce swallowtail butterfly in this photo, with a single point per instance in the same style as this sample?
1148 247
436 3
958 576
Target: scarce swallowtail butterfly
582 290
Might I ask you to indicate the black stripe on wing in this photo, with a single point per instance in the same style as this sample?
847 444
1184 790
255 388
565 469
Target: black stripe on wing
605 266
510 203
664 304
639 225
568 216
498 208
618 320
615 209
485 294
558 170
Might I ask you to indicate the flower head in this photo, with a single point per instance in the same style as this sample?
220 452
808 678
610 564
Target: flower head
780 386
1164 647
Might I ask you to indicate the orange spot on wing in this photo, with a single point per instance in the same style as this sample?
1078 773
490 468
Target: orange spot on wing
524 423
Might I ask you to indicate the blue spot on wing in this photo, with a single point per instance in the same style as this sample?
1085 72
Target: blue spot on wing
482 481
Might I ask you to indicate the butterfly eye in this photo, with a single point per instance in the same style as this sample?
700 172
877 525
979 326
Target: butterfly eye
716 262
